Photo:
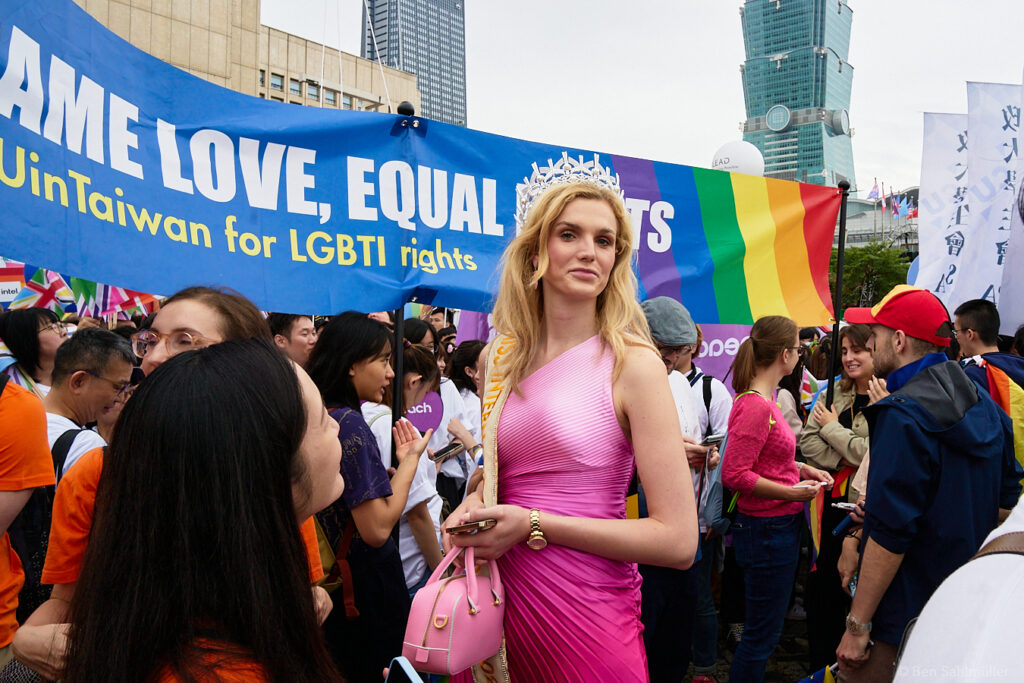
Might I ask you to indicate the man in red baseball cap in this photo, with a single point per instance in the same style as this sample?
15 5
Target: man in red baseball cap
906 318
943 473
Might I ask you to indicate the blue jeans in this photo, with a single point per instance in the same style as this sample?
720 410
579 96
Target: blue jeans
705 629
767 550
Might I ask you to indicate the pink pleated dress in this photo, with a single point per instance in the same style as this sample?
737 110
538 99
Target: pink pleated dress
570 615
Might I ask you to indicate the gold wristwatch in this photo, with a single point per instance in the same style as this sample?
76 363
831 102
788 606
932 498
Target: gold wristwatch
536 541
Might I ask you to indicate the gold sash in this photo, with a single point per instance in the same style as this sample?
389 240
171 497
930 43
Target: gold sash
496 391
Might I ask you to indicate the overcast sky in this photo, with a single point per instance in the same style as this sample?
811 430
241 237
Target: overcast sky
659 79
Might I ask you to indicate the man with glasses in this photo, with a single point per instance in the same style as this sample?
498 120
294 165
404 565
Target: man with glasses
91 370
976 324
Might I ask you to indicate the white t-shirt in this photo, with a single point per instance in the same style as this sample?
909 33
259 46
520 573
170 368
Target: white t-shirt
471 404
718 416
83 443
458 467
968 630
721 402
686 409
422 489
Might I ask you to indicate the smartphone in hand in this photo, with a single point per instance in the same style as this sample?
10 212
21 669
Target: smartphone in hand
449 451
473 527
401 671
713 440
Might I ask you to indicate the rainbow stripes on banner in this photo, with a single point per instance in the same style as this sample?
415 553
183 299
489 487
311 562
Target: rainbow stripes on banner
742 246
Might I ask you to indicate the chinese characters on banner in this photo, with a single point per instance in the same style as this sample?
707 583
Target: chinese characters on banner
944 207
1011 303
993 118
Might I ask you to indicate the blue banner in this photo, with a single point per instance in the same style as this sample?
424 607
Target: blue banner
107 173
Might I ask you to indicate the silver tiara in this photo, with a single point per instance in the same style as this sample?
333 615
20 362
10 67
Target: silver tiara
566 170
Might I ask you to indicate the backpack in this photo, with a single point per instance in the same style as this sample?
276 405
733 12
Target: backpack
30 530
720 509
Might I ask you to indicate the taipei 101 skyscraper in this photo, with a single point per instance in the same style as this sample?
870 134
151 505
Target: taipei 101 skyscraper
796 87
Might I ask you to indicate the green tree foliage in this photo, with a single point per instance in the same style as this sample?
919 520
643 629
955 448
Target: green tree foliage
869 272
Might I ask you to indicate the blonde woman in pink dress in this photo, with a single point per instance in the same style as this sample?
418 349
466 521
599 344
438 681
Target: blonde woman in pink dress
589 401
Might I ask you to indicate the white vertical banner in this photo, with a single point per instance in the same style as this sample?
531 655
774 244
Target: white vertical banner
1011 300
993 117
943 209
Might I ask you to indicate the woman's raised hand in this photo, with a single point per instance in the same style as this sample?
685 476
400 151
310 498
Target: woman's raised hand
877 389
459 431
408 441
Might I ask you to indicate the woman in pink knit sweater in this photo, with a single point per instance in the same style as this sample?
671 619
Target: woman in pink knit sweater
760 464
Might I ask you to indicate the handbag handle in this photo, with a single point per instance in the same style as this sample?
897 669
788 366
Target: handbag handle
469 569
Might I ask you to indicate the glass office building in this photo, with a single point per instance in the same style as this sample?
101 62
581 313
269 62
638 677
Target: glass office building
796 86
426 38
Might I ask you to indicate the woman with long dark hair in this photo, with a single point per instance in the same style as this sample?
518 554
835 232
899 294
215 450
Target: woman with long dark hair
466 371
419 541
350 363
32 337
195 568
760 464
193 318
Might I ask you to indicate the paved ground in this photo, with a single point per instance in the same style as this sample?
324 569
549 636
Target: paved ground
787 665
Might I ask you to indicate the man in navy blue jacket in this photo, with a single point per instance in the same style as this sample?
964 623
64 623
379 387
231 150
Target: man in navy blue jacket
942 468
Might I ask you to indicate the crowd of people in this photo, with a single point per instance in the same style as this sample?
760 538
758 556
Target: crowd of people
209 493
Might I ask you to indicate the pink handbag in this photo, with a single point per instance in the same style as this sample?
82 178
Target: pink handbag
455 622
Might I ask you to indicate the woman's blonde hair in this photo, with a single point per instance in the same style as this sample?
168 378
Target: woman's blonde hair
518 311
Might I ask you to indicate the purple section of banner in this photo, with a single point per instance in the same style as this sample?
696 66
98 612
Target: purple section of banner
473 325
658 272
718 350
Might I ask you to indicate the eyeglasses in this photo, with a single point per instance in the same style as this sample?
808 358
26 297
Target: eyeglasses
122 387
673 350
58 327
175 342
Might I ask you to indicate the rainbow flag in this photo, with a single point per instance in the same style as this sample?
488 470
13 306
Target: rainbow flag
95 299
808 388
786 230
763 245
1010 396
814 510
